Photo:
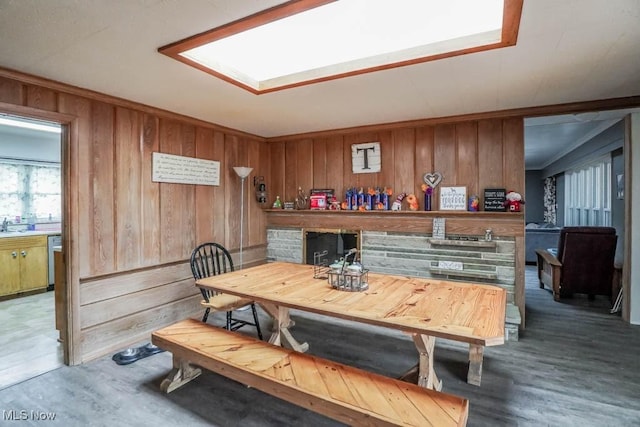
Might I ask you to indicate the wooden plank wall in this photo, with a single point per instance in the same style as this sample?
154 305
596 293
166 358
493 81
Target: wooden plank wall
131 231
477 154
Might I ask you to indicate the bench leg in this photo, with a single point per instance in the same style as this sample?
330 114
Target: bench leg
182 373
281 334
474 376
426 374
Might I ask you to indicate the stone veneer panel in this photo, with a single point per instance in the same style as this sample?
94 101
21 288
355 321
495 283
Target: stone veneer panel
284 244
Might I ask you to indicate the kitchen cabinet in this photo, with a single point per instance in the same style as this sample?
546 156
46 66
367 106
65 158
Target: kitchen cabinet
23 264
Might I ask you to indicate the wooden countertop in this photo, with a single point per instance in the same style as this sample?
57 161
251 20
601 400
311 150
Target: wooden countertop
29 233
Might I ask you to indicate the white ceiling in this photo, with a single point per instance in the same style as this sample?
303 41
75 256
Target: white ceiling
567 51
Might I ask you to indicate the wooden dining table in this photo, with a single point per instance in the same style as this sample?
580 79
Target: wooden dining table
424 308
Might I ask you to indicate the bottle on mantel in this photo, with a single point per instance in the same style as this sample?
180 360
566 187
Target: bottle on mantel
32 222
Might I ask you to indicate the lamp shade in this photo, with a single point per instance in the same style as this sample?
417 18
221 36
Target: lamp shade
242 171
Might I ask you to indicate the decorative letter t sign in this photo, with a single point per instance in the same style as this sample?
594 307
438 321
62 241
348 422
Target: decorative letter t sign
365 158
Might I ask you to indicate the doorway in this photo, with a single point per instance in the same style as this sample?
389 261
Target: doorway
31 215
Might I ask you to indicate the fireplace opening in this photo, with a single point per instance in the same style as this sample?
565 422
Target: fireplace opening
336 242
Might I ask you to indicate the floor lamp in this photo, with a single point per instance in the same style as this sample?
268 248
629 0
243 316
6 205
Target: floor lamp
243 172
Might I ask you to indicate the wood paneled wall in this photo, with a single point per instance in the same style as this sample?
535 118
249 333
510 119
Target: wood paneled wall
477 154
123 232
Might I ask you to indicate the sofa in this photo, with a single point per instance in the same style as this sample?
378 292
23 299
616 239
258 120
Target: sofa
539 236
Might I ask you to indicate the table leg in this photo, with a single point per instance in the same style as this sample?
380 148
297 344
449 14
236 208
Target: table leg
281 334
426 374
475 364
182 373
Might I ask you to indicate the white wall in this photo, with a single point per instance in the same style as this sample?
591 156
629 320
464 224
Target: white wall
29 145
632 258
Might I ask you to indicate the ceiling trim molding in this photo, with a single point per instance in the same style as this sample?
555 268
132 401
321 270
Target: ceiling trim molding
526 112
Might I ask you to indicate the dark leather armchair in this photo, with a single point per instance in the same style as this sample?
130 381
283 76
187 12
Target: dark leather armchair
583 263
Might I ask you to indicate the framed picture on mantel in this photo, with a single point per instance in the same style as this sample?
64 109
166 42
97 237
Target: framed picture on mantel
453 198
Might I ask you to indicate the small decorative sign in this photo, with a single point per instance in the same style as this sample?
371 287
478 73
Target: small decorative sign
366 158
450 265
438 228
494 199
453 198
184 170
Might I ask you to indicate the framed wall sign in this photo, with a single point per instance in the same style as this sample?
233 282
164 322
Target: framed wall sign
366 158
453 198
184 170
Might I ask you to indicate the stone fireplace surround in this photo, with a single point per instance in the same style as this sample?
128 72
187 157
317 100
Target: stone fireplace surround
418 254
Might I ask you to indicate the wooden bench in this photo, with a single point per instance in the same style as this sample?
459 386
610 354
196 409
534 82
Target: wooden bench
341 392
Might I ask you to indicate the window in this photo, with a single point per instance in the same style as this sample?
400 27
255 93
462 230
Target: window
588 194
29 188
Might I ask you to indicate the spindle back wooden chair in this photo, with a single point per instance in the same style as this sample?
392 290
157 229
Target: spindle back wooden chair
211 259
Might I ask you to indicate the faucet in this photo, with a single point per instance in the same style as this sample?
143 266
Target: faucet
5 225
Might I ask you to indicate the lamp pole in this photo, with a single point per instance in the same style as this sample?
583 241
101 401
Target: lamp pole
243 172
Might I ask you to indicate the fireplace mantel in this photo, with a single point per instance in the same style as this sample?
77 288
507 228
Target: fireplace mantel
506 224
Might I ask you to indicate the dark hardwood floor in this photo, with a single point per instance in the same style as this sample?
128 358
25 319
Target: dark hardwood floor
575 364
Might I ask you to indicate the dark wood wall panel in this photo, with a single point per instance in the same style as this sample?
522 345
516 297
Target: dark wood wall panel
81 109
128 188
11 91
319 159
513 155
490 149
102 173
259 160
386 177
204 225
404 152
467 156
335 163
41 98
305 165
424 151
151 222
275 180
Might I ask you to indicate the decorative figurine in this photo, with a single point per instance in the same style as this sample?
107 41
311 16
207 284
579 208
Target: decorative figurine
412 202
514 200
474 204
397 205
278 203
302 199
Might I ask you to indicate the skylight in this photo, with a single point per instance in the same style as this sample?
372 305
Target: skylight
283 46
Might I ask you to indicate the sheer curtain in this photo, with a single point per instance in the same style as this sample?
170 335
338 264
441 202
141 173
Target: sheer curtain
29 188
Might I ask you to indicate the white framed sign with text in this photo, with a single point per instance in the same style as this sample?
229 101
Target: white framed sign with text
453 198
